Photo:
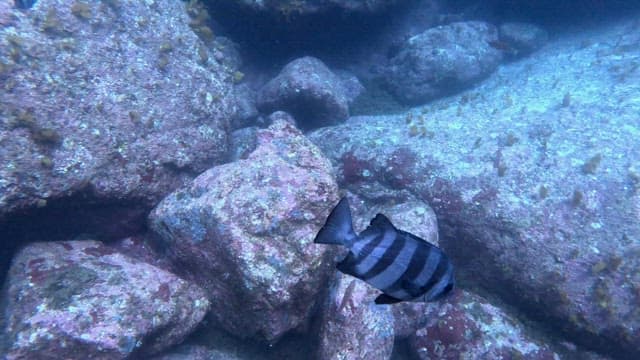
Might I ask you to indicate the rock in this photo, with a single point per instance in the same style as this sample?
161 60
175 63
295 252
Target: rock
244 231
350 84
198 352
82 299
6 13
443 60
466 326
529 208
95 101
282 117
309 91
522 38
243 142
247 112
216 344
353 326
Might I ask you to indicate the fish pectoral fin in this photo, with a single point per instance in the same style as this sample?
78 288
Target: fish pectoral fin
386 299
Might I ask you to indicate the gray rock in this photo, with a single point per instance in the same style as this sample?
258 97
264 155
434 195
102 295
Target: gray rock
281 116
443 60
199 352
96 98
350 84
309 91
6 13
247 112
244 231
522 38
353 327
243 143
82 300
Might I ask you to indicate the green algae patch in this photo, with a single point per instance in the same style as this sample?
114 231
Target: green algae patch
66 283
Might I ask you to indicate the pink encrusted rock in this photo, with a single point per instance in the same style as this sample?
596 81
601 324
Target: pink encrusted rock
117 97
353 326
307 89
244 231
467 326
6 12
83 300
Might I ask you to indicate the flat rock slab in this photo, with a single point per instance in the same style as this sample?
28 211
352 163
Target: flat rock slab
535 178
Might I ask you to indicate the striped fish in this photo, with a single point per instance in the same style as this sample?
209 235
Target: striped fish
403 266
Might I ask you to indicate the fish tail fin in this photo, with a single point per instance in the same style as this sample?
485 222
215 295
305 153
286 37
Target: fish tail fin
338 229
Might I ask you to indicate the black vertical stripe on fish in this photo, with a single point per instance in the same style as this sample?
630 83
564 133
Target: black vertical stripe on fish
388 257
385 280
372 244
348 265
430 266
443 286
366 263
373 231
418 260
416 264
437 275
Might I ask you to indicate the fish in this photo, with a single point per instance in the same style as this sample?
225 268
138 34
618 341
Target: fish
400 264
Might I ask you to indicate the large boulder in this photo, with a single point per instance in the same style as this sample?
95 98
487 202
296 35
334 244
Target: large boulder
83 300
536 184
519 39
442 60
468 326
244 231
309 91
119 100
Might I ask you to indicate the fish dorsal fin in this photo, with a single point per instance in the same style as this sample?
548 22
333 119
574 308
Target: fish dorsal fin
382 222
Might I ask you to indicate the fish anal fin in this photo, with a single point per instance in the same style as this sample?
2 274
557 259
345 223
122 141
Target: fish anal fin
384 299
